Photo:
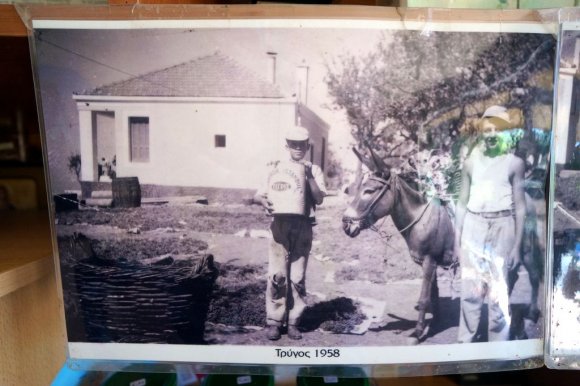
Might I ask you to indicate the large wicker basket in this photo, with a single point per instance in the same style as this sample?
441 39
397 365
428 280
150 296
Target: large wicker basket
130 302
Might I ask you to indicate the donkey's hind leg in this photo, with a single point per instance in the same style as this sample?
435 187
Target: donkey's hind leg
425 300
535 275
434 301
534 250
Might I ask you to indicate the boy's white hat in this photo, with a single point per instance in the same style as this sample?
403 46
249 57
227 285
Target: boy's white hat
297 133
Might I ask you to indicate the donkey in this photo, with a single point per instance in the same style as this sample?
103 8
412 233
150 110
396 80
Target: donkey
425 225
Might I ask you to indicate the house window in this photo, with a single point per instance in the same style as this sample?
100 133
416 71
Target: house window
139 139
220 141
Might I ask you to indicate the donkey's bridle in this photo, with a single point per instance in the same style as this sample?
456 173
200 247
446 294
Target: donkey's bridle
363 218
386 184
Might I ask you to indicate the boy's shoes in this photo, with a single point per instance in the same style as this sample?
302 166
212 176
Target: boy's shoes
293 333
273 332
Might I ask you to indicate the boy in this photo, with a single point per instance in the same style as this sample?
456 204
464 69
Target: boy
489 228
294 186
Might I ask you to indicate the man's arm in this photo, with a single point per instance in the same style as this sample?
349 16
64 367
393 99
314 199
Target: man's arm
461 209
315 179
261 198
519 197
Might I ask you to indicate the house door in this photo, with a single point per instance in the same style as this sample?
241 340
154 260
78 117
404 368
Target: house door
104 157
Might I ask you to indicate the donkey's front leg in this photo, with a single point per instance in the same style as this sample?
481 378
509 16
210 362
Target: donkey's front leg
429 275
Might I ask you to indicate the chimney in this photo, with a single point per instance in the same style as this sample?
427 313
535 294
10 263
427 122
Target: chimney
302 84
272 66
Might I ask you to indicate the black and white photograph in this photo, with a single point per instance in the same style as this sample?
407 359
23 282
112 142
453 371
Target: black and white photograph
296 185
565 294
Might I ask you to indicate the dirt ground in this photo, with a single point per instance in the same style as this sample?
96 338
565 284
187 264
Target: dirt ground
361 291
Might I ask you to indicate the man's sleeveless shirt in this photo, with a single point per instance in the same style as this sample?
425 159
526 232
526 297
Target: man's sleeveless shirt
491 188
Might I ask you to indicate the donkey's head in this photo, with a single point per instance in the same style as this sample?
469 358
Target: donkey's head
373 196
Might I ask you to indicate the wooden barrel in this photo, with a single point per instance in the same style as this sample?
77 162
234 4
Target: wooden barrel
126 192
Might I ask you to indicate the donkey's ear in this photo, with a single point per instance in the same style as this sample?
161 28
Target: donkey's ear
380 164
357 154
367 162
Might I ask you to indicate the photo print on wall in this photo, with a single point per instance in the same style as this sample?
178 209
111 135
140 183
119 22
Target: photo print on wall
298 187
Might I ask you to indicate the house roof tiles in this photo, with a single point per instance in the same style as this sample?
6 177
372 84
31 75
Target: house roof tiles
210 76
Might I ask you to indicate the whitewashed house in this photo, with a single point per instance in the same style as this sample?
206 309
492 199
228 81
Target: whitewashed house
209 122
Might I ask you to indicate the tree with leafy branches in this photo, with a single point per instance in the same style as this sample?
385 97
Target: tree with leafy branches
415 90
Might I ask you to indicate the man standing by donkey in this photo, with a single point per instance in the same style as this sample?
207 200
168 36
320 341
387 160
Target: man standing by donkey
489 228
294 186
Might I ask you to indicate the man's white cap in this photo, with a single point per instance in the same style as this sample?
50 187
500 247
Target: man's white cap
297 133
498 112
